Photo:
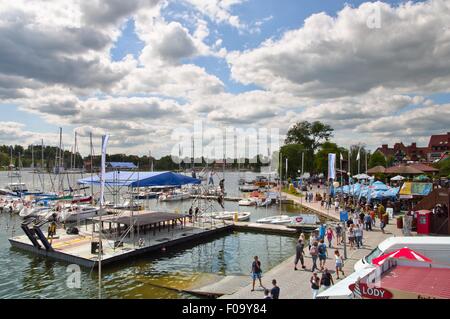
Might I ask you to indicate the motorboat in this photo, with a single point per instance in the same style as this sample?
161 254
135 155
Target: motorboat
248 188
14 189
33 210
305 222
146 195
277 219
174 196
251 201
78 213
81 199
306 219
241 216
13 206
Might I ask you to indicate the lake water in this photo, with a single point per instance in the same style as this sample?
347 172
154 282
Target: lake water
25 275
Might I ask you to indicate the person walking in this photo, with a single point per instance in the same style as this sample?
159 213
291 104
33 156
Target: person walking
338 231
351 236
322 249
372 216
327 280
330 236
299 252
256 272
314 252
322 230
368 222
275 291
315 285
358 236
339 262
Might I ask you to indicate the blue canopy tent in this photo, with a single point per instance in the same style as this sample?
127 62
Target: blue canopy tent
141 179
379 186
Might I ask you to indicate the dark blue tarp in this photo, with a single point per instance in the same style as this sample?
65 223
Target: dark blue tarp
141 179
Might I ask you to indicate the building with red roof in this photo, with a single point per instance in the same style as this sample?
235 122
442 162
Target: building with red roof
437 147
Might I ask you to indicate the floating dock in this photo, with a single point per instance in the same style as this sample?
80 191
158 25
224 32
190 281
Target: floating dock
214 197
264 228
153 232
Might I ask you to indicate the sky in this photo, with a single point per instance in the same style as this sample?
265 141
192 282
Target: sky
145 71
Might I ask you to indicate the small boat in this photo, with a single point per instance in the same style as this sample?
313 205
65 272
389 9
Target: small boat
13 206
248 188
81 199
78 213
251 201
33 211
305 222
241 216
306 219
146 195
174 196
278 219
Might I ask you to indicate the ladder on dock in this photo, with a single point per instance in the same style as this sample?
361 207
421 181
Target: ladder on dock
34 233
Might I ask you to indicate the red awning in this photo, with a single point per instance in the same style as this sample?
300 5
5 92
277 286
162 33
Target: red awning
403 253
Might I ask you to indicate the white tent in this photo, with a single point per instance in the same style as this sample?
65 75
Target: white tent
397 178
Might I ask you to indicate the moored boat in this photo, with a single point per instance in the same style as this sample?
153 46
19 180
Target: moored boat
277 219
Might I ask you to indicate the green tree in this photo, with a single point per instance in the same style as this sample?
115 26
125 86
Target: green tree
377 159
390 161
444 167
293 152
310 135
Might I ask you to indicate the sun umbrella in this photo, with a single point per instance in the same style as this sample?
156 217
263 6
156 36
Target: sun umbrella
397 178
379 186
402 253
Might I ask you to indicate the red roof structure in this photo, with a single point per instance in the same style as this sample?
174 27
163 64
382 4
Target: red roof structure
424 168
425 281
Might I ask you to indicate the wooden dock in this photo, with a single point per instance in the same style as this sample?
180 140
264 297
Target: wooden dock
77 248
264 228
214 197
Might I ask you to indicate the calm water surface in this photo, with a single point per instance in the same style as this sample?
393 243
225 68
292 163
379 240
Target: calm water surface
24 275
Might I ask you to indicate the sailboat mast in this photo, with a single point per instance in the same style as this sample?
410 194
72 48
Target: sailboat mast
92 167
42 164
32 164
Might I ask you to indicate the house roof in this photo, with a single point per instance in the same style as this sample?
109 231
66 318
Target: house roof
438 140
424 168
376 170
403 169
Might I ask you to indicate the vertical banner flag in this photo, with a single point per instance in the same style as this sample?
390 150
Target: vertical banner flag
102 176
331 166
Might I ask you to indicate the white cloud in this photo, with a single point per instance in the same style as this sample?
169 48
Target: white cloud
330 57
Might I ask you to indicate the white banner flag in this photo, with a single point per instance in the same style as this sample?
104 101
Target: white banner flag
331 166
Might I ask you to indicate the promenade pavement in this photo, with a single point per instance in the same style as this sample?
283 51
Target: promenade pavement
296 284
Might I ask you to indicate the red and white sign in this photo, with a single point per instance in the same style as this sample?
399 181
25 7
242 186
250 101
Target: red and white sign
372 292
